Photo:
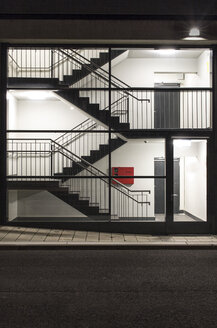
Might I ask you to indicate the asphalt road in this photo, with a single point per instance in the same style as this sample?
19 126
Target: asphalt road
108 288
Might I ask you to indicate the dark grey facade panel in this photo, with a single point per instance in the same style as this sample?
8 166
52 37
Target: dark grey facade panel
109 7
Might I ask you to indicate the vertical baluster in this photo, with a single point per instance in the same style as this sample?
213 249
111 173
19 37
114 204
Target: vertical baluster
206 109
201 109
12 157
197 113
192 110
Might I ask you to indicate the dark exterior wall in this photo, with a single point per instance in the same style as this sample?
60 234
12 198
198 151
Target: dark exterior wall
54 30
110 7
97 20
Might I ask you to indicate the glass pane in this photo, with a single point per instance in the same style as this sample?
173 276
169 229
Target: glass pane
143 200
190 180
141 155
148 66
70 66
68 200
162 88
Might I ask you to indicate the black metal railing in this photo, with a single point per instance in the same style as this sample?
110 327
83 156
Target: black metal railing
183 108
46 160
44 62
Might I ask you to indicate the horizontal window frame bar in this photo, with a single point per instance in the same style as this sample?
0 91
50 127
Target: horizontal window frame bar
112 89
53 131
83 177
112 45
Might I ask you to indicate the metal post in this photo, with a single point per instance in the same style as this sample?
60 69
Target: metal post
110 170
52 63
51 161
3 126
212 156
169 184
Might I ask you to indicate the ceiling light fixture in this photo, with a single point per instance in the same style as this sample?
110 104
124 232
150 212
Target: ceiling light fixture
194 31
166 51
194 34
37 95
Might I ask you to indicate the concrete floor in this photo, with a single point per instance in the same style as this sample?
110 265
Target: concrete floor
35 236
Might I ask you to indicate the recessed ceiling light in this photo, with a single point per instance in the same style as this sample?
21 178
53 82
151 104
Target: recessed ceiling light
37 95
166 51
193 38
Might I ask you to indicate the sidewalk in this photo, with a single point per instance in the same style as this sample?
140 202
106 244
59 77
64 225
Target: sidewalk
21 236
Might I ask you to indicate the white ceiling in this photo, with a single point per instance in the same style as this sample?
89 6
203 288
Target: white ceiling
34 95
152 53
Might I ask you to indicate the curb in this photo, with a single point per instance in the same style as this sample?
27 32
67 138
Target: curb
103 246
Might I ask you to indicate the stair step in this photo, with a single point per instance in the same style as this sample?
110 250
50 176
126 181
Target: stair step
96 61
93 107
86 158
124 126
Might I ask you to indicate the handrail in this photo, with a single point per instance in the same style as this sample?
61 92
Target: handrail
86 162
77 127
58 62
89 164
103 77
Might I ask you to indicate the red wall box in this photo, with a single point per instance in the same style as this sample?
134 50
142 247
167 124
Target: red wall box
118 171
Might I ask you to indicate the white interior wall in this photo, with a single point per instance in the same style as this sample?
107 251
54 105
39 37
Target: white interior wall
140 72
12 204
12 125
40 203
47 115
11 112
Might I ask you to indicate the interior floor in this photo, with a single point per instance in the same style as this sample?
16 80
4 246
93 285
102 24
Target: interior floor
178 217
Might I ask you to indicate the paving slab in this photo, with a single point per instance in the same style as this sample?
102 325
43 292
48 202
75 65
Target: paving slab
23 236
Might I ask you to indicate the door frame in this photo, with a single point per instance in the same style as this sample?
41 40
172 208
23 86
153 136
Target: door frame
173 227
162 159
167 114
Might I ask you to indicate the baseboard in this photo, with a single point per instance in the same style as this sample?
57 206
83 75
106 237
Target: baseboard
150 218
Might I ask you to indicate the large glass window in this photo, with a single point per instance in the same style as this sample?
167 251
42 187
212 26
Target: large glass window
79 144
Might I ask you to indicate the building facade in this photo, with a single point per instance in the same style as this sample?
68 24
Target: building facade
110 136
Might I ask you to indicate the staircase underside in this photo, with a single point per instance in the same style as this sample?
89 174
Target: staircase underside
34 83
82 205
